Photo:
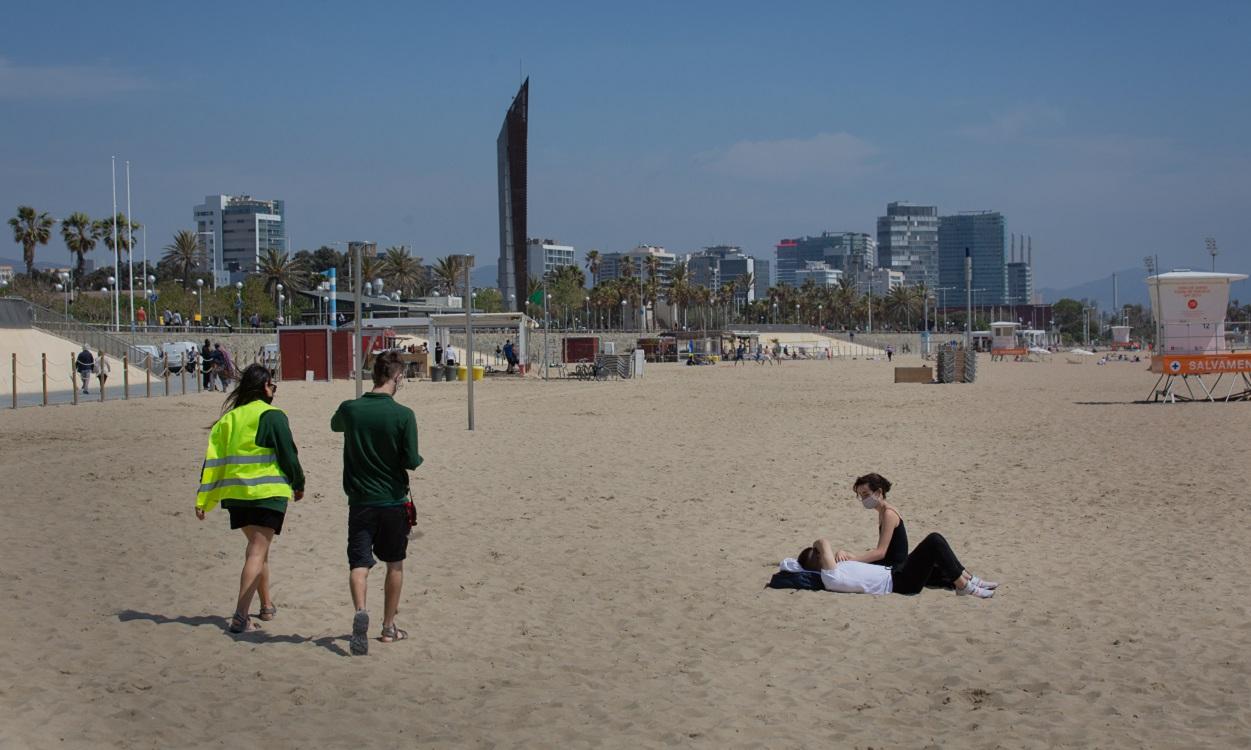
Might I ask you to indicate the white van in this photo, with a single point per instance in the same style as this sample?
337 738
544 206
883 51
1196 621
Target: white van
179 352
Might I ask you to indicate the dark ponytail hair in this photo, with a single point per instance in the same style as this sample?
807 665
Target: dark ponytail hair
251 387
875 483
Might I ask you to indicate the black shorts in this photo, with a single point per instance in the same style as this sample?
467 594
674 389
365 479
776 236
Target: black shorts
269 519
380 530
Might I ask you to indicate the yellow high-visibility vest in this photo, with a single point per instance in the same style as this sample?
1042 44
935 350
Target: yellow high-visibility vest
235 467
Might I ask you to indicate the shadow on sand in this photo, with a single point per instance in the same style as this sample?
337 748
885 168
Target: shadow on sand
328 642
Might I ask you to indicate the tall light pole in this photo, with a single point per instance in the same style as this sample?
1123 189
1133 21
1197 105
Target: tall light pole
1211 243
65 277
968 299
281 297
239 302
199 286
130 251
356 314
117 271
467 261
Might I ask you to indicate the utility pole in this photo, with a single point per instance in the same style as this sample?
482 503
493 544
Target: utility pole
968 300
356 315
1211 243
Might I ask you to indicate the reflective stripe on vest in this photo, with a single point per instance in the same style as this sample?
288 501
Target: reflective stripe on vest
235 467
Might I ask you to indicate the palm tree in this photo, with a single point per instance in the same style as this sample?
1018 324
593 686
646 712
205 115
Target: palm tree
79 239
449 271
31 229
183 253
593 261
103 230
679 293
845 300
277 268
402 269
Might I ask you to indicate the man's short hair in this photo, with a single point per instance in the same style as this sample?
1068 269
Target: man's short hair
387 366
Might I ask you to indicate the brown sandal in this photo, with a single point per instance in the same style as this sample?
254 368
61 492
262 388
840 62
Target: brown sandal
267 613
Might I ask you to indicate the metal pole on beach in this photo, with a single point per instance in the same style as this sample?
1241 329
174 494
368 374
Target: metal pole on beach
44 359
469 335
147 375
14 381
968 300
125 377
117 270
356 315
73 380
130 255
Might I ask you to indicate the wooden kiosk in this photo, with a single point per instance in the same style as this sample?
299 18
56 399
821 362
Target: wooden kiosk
1189 308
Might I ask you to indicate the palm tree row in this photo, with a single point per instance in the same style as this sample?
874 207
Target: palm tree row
80 232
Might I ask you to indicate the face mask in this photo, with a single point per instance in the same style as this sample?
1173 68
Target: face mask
869 501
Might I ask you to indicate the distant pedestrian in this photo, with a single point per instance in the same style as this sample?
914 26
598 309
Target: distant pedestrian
890 353
510 356
438 352
379 448
142 316
206 364
85 364
102 369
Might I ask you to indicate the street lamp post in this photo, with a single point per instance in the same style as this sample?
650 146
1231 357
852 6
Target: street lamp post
623 313
281 297
199 284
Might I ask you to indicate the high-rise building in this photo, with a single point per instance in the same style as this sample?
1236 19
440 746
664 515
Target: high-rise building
819 273
848 252
545 256
723 264
763 280
907 241
1020 270
611 264
981 233
510 148
235 230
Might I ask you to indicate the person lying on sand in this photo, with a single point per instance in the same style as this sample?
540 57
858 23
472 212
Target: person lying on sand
932 560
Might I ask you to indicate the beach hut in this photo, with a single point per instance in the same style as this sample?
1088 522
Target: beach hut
1189 309
1003 341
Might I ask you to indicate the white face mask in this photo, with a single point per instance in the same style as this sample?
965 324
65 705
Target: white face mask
869 501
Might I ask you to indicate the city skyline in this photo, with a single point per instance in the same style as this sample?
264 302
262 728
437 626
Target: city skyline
1106 136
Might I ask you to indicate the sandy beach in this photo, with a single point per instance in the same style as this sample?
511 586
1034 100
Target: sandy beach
589 570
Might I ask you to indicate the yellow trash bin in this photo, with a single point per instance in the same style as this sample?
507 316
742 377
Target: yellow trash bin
461 372
479 372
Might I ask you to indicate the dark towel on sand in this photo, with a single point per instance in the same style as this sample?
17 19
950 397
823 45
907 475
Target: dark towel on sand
805 581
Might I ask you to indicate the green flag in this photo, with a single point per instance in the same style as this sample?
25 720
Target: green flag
537 297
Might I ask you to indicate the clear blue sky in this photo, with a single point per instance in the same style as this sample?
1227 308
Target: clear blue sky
1107 131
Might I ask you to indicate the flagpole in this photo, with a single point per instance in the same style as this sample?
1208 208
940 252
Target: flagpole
117 270
130 248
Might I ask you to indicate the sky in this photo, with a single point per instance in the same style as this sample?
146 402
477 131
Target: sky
1105 131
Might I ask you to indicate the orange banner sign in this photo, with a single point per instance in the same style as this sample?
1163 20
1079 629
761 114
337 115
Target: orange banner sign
1201 364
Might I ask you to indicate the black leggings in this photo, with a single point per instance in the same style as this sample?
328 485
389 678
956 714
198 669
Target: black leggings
932 562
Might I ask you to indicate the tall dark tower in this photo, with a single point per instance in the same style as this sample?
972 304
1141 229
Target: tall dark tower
511 151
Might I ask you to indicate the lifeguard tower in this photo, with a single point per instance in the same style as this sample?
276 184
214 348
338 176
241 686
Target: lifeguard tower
1120 338
1189 308
1003 341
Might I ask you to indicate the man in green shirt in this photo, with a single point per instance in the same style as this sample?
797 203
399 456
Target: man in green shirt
379 447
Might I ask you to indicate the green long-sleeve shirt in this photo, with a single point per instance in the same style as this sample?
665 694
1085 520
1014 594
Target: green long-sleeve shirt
273 431
379 446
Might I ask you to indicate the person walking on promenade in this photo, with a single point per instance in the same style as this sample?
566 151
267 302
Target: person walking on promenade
206 364
379 447
102 370
252 468
85 364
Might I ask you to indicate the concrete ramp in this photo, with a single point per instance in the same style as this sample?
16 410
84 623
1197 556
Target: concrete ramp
29 345
15 313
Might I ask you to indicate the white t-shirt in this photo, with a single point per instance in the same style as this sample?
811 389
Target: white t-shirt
849 577
852 577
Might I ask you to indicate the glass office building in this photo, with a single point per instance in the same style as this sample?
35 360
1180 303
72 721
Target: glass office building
907 241
981 233
510 149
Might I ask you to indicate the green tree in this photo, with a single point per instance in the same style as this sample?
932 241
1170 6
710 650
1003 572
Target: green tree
29 230
276 267
593 261
449 271
182 255
79 239
489 300
403 270
103 231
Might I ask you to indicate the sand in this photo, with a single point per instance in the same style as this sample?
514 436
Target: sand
589 568
29 344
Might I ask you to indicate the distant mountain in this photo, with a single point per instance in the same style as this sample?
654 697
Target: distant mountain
1131 285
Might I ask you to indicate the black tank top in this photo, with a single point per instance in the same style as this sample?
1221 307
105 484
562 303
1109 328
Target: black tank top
897 549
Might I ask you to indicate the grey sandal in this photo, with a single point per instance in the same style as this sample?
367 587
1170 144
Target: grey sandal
241 623
267 613
392 634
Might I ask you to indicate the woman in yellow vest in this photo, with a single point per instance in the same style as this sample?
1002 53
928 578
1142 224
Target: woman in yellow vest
252 469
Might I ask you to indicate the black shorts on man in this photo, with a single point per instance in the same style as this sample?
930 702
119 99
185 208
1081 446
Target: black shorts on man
376 530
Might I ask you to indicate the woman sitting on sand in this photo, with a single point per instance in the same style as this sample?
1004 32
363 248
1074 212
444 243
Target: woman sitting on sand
252 468
931 560
892 537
